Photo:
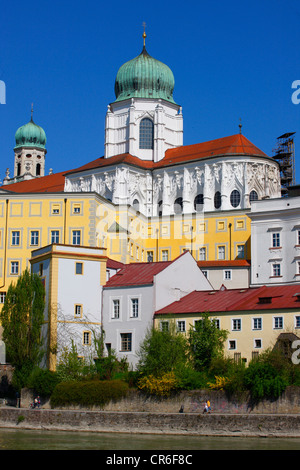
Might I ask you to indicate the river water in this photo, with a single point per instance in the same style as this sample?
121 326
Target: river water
19 439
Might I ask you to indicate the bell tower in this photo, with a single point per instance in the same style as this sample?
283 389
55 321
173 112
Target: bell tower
30 151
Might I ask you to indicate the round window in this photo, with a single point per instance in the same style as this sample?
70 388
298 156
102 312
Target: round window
235 198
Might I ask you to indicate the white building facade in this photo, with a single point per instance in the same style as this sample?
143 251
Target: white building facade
275 241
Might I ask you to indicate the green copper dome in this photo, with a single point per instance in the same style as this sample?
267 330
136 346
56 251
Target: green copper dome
144 77
30 135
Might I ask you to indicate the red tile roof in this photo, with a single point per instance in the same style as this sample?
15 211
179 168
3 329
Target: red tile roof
113 264
224 263
136 274
282 297
46 184
232 145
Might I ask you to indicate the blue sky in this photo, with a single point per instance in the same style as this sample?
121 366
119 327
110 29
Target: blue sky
231 60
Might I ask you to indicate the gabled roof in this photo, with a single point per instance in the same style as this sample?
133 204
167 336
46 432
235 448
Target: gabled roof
227 300
137 274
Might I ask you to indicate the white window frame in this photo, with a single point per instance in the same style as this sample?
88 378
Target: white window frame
134 311
181 326
227 275
235 344
236 324
259 320
297 321
255 344
14 268
164 325
34 237
221 252
129 341
276 240
276 270
202 253
15 237
115 315
276 319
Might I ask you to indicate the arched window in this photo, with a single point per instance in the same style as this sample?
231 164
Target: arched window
19 169
178 205
159 209
198 203
136 205
235 198
253 196
146 134
38 169
217 200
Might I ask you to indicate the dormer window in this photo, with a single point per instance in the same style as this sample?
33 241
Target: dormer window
146 134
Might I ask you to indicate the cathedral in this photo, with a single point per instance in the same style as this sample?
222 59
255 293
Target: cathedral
145 175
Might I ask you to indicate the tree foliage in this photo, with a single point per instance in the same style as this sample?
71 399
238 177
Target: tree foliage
162 351
206 342
21 317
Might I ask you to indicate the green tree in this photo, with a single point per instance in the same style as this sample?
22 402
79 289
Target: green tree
162 351
22 317
206 342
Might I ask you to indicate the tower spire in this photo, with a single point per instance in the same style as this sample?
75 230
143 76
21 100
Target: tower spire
144 34
31 111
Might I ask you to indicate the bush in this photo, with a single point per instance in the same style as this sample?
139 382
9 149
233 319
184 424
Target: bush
190 379
159 386
43 381
264 381
88 393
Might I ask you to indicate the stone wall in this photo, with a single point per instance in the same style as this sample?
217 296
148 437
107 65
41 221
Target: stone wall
214 424
193 402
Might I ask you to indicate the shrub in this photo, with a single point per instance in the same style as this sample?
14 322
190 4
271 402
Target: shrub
220 384
190 379
264 381
43 381
88 393
159 386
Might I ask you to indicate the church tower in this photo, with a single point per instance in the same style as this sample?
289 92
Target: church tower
30 151
144 120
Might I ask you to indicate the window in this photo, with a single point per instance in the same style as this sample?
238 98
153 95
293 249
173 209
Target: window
78 311
181 326
241 251
134 308
178 205
205 273
78 268
164 325
149 256
126 342
34 238
146 134
232 344
236 324
14 267
221 252
54 236
298 237
41 269
38 169
278 323
15 237
136 205
202 253
253 196
159 208
257 343
276 270
76 237
165 255
116 309
297 320
55 209
87 338
2 297
235 198
198 202
76 209
256 323
275 240
217 200
227 275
